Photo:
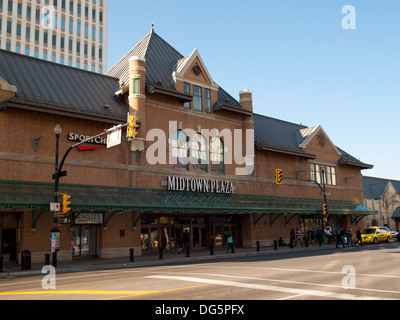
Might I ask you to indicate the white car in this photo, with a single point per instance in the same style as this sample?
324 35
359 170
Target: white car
394 233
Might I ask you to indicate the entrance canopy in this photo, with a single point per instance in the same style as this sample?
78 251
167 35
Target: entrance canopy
15 195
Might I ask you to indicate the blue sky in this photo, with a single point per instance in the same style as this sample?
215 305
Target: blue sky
301 65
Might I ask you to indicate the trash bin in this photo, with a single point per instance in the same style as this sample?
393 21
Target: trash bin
26 260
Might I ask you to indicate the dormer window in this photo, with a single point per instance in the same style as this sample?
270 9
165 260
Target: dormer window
186 90
207 100
197 98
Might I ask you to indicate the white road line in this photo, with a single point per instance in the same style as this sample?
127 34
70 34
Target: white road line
291 297
254 286
290 282
313 271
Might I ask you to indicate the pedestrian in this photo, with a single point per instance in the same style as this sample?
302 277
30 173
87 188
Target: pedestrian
359 237
329 234
298 237
186 242
230 244
349 236
292 238
340 238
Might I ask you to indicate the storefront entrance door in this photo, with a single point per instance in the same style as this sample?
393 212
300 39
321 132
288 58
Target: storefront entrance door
9 244
84 241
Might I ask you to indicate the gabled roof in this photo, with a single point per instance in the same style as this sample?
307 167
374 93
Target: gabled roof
278 136
162 61
53 88
290 138
7 91
396 214
306 135
375 187
184 64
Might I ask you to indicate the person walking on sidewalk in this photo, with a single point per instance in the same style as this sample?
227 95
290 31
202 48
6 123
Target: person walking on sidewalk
292 238
359 237
340 238
230 244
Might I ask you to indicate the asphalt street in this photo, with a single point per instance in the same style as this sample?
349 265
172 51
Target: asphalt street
368 273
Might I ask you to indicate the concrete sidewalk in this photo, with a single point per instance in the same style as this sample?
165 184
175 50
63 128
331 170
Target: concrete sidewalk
149 260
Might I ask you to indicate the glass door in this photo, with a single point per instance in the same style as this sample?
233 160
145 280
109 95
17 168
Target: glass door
84 241
218 237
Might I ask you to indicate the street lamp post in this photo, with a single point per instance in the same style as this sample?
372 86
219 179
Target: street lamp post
54 231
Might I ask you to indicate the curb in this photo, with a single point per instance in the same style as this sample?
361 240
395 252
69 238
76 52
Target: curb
110 264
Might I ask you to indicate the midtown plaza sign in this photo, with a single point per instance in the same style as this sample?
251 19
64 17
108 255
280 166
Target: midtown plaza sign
200 185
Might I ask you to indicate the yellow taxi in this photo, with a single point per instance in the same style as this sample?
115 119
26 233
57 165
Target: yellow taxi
376 234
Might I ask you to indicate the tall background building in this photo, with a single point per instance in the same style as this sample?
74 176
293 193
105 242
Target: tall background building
69 32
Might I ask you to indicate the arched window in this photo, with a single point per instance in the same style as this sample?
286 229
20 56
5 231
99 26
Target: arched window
180 150
217 155
198 146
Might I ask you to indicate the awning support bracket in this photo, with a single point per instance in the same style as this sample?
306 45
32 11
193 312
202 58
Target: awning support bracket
35 217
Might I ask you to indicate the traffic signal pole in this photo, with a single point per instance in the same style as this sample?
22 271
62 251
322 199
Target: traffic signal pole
55 233
322 188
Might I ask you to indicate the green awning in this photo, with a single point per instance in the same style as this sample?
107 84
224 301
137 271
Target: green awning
37 196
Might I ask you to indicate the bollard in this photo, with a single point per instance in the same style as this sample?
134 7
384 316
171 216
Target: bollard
160 252
258 246
275 245
131 254
1 263
47 259
320 241
26 260
212 246
54 263
306 241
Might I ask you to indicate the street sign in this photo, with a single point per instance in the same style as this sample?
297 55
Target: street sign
64 221
114 138
55 207
54 241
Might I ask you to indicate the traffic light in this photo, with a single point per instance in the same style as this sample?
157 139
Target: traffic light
279 176
65 204
325 209
132 126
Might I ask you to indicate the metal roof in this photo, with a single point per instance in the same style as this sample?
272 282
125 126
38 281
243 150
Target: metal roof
396 214
161 62
161 59
277 133
374 187
57 88
286 137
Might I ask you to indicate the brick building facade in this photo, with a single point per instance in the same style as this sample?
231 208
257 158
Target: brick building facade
203 162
